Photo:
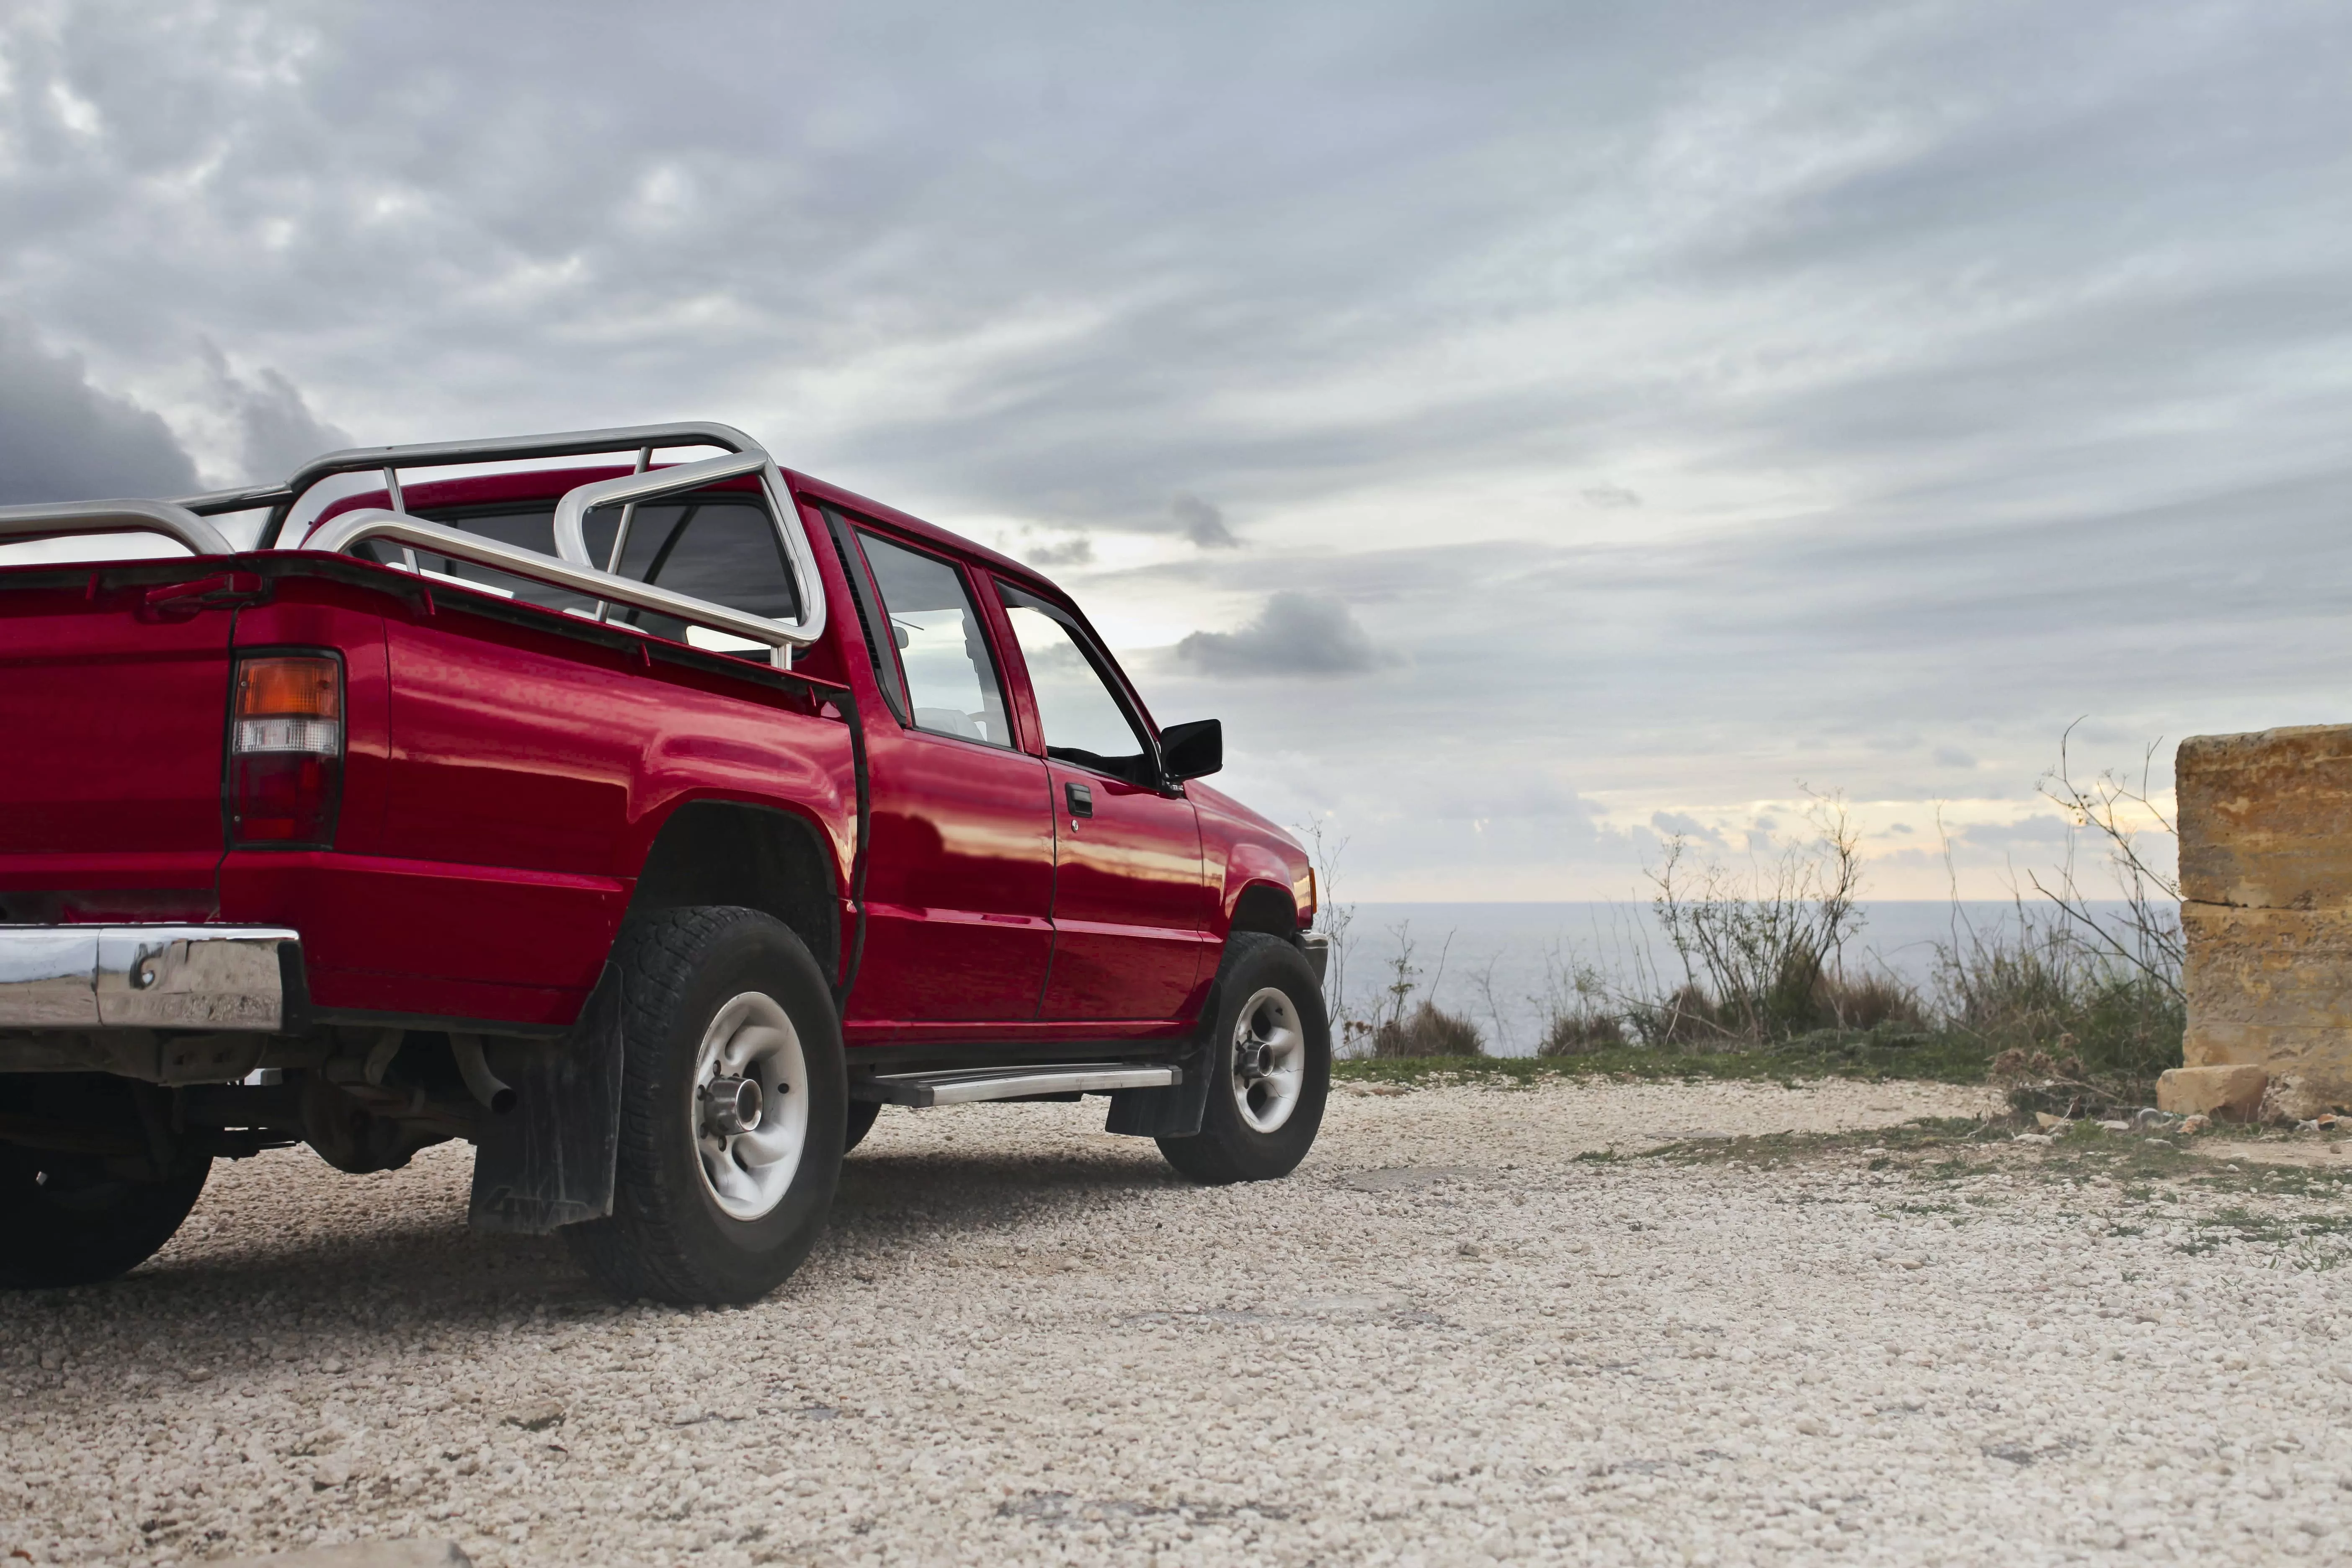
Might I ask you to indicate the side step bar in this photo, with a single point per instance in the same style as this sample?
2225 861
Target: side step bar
962 1086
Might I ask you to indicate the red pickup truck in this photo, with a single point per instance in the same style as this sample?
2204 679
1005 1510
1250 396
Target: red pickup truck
648 824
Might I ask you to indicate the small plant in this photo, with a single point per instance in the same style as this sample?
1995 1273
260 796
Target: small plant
1580 1034
1579 1017
1427 1030
1871 1002
1406 1028
1761 950
2083 1014
1333 918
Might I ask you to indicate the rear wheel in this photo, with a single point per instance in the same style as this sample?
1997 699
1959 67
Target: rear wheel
733 1099
862 1113
75 1219
1270 1060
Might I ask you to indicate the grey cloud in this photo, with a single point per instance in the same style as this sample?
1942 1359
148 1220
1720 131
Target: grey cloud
1610 497
1074 551
1953 757
1292 634
1202 523
276 430
1973 366
1681 825
62 438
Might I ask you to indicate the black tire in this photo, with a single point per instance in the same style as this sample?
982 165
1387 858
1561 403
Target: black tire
668 1237
75 1219
1227 1148
862 1113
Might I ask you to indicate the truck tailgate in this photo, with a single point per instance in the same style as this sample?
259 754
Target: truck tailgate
113 700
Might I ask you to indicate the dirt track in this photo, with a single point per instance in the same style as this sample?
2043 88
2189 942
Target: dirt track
1447 1339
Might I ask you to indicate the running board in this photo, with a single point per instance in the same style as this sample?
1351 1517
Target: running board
962 1086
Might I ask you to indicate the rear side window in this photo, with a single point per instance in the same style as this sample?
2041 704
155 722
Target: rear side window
942 645
1086 720
721 546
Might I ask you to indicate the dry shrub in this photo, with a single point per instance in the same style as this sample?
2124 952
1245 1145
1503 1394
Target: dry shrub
1427 1030
1756 944
2014 1065
1867 1003
1581 1032
1685 1016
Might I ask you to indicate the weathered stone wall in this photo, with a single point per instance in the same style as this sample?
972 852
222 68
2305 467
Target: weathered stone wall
2266 902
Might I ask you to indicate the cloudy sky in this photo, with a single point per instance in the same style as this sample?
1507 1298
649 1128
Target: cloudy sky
1532 428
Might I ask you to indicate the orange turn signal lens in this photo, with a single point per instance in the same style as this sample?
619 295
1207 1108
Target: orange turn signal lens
289 687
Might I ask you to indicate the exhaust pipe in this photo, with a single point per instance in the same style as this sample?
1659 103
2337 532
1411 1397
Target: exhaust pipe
485 1084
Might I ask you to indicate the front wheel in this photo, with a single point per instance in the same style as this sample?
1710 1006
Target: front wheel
1270 1067
733 1098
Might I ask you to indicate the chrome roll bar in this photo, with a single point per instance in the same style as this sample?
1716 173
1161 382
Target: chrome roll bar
627 490
515 448
746 457
174 521
572 512
339 535
245 498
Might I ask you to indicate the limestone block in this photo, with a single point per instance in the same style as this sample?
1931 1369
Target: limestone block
2226 1094
2268 968
2266 819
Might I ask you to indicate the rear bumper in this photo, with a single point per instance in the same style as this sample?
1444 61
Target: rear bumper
206 977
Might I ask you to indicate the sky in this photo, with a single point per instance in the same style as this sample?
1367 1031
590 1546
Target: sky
1536 430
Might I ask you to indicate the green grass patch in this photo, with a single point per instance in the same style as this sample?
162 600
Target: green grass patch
2147 1175
1878 1055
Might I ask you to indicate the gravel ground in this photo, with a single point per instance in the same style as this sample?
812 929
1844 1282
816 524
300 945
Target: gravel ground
1448 1339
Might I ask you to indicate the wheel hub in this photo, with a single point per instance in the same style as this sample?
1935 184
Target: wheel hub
731 1106
747 1111
1269 1059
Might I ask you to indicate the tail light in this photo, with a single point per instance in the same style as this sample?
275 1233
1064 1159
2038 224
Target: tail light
286 751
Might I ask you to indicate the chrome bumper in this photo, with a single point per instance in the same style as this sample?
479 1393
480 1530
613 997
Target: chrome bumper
144 976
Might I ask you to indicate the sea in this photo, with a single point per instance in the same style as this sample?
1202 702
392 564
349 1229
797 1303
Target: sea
1499 965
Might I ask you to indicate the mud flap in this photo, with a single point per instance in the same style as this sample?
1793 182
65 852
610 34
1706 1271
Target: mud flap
549 1162
1176 1111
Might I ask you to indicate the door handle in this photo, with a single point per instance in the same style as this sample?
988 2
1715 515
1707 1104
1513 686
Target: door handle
1081 799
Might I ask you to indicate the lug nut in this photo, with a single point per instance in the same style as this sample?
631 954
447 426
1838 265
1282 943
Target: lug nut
730 1106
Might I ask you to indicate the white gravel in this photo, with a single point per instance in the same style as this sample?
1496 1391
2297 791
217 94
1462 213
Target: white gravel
1447 1340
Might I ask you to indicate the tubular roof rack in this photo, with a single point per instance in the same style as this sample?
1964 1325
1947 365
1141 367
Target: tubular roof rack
571 568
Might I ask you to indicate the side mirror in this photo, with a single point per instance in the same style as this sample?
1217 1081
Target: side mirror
1192 751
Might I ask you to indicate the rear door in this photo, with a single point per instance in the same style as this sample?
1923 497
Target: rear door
959 880
1127 915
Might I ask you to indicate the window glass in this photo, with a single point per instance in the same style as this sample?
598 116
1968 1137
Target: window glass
1086 722
952 685
722 547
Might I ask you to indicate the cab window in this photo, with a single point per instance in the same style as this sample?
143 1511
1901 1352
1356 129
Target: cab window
949 675
1085 720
